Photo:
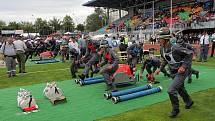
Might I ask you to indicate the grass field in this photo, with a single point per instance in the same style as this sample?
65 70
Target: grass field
203 109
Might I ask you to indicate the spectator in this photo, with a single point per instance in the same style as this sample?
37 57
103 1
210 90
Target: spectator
115 42
9 51
64 49
20 53
204 42
110 43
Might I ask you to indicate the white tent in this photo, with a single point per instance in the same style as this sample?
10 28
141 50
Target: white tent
67 33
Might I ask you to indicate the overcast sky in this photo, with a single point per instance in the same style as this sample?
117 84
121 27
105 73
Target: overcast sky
29 10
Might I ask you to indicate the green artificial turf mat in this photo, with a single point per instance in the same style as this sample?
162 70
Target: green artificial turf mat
87 103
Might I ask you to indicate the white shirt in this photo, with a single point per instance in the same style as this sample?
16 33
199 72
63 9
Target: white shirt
75 46
213 37
204 38
109 41
20 45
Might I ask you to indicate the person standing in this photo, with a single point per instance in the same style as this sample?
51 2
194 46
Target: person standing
179 60
9 51
110 43
64 48
204 42
213 45
20 53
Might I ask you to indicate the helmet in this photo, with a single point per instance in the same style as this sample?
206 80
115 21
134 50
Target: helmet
104 43
180 41
164 33
179 37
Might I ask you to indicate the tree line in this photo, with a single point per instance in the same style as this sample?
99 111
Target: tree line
93 22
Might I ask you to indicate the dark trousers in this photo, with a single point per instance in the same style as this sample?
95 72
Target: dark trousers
163 70
21 58
83 51
93 61
29 54
132 62
203 52
192 71
107 73
149 68
177 87
212 51
10 65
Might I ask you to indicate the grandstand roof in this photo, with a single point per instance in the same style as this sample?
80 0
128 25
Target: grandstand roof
105 3
127 3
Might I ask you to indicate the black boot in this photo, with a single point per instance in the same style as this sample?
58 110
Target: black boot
108 88
87 76
9 74
82 77
166 75
96 71
189 105
189 80
175 105
113 88
197 75
91 74
174 113
74 76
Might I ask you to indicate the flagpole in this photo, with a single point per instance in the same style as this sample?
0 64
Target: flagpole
171 17
153 17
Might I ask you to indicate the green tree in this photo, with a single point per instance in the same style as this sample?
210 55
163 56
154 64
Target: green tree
42 27
28 27
80 27
96 20
55 24
14 26
68 24
2 24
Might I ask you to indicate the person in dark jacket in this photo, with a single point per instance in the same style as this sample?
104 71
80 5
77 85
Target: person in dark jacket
179 60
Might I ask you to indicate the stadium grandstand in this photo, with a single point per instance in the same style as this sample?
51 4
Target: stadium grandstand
147 16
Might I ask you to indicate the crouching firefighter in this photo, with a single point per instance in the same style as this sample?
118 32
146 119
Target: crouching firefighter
111 61
151 64
133 53
91 58
179 60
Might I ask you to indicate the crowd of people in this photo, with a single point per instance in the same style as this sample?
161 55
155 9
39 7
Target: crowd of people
183 16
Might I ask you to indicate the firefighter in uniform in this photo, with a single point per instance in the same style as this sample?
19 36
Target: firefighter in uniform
133 53
179 60
151 64
180 41
111 61
91 58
